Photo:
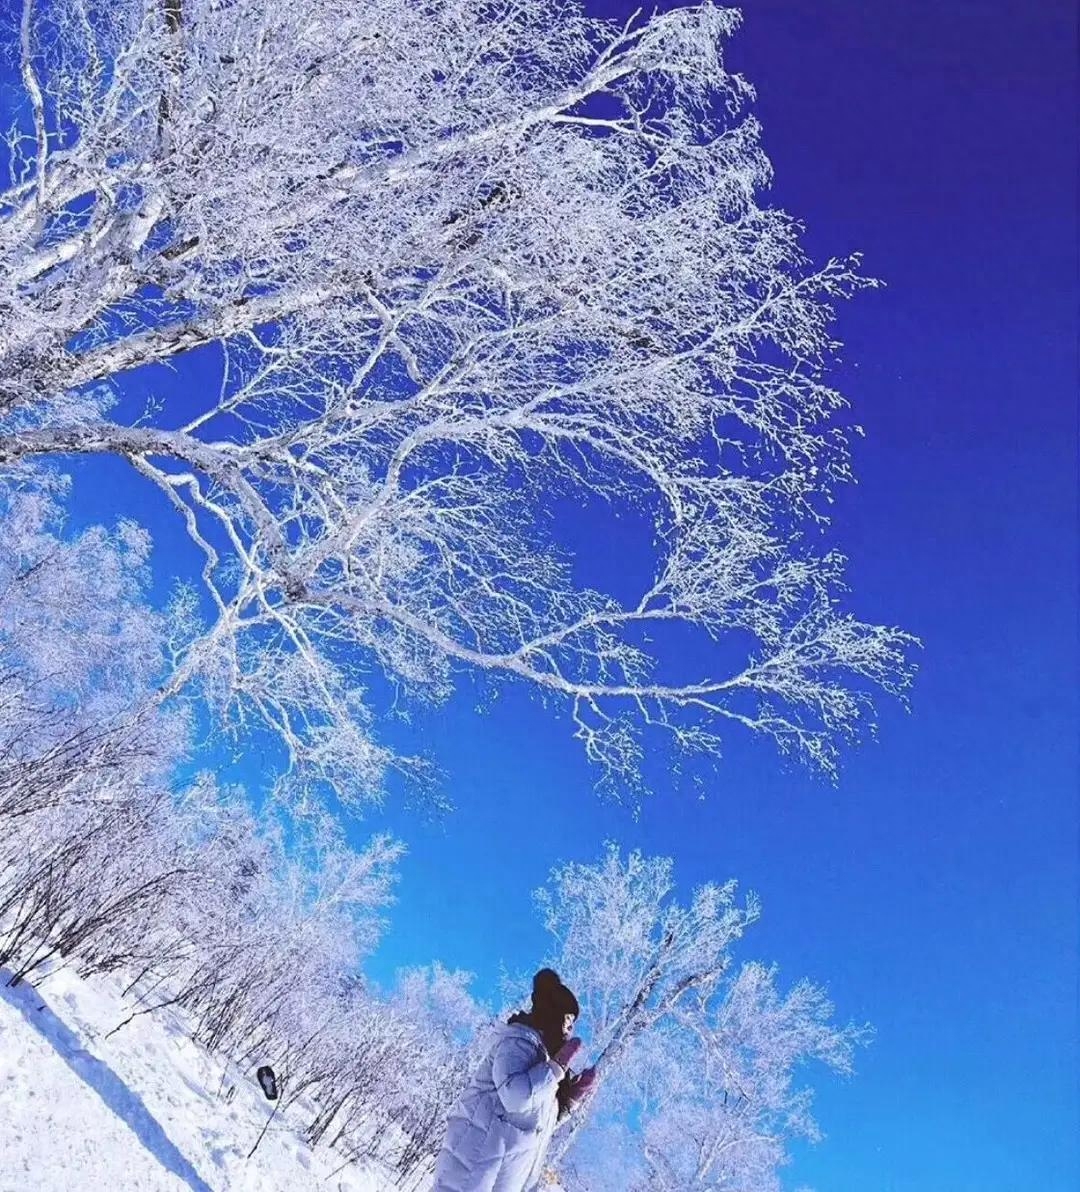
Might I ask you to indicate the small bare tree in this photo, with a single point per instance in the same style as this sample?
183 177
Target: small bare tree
450 260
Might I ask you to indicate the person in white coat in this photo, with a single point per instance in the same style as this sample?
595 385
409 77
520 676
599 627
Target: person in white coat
499 1131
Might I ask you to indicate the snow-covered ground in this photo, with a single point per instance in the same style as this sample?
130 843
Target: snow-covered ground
139 1111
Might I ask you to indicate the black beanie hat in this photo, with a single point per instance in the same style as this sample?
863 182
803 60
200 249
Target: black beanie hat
550 996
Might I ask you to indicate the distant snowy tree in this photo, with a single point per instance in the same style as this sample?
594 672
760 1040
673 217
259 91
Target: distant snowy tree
270 933
384 1068
80 650
698 1056
108 861
87 850
450 262
446 1038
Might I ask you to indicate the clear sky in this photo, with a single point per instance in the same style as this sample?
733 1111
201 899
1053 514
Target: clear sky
934 888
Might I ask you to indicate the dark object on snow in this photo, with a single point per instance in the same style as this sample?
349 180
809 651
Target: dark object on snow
267 1082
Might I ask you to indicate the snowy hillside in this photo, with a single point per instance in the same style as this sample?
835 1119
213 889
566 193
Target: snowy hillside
143 1110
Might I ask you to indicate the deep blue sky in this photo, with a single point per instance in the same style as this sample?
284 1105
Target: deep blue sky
934 889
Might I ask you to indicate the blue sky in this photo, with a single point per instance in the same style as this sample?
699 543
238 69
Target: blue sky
934 888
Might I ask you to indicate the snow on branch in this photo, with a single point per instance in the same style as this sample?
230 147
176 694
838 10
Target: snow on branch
699 1057
451 260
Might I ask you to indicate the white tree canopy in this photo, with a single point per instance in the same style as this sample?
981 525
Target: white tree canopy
699 1058
450 260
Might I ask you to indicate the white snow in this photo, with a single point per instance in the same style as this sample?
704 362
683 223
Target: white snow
143 1110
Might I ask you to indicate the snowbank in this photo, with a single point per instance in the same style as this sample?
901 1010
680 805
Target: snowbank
143 1110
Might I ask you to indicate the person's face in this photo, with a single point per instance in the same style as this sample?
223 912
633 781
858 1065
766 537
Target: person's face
568 1025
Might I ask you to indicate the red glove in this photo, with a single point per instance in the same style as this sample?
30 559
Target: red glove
565 1055
581 1089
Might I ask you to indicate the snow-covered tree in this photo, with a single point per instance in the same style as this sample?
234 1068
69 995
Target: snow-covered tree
451 262
109 862
274 935
255 932
80 650
699 1057
445 1040
86 853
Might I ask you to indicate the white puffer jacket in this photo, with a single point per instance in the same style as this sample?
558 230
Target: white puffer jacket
499 1131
